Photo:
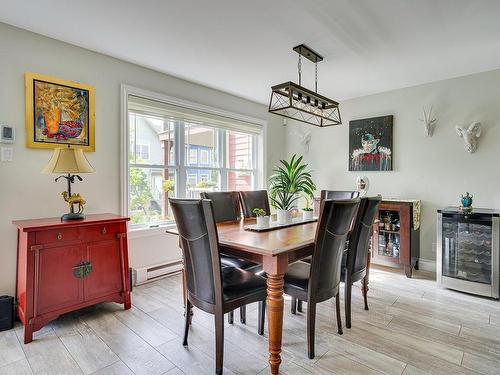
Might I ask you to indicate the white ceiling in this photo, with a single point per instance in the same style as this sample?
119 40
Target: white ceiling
244 47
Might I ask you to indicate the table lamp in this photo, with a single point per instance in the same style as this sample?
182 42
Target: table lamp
70 161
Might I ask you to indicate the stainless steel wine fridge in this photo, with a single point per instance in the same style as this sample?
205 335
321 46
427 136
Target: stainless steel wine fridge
468 251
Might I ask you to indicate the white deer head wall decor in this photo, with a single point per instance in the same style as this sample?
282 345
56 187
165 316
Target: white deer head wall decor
429 122
470 136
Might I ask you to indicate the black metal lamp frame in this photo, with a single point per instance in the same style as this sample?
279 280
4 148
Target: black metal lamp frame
294 101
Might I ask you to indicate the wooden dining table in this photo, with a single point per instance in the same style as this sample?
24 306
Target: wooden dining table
275 250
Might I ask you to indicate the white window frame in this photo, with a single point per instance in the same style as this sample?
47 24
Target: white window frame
260 144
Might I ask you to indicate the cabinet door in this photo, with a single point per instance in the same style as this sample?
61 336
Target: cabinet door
106 277
57 286
387 235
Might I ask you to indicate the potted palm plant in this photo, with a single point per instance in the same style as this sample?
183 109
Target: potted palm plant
262 218
289 180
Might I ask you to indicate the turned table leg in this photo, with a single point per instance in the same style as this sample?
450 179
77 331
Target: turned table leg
184 295
368 265
183 287
275 304
275 267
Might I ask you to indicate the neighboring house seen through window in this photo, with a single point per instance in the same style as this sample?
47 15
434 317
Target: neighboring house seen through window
211 158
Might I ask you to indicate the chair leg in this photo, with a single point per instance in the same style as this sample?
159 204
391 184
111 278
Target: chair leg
311 328
347 302
365 292
243 314
262 317
299 306
187 322
293 308
339 317
230 317
219 342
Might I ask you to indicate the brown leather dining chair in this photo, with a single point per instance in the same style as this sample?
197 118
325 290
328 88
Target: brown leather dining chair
254 199
354 263
209 286
320 280
226 206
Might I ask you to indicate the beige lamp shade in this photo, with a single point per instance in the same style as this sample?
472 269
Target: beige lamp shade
68 160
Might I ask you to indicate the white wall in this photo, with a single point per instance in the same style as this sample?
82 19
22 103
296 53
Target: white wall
436 170
27 193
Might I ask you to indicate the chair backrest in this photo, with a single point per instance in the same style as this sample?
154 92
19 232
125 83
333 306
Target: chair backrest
331 234
359 241
226 205
339 194
200 248
254 199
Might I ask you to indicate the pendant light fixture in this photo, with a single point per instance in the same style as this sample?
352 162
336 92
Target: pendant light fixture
296 102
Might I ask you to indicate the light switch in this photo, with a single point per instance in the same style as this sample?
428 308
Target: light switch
6 154
7 134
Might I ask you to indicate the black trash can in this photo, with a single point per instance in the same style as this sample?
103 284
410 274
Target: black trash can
6 312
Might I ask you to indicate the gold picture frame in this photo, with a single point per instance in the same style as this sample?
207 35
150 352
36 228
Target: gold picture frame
59 113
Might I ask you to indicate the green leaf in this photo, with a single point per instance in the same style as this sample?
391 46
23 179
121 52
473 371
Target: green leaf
289 181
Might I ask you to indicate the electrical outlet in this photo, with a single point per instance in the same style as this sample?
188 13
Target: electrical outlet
6 154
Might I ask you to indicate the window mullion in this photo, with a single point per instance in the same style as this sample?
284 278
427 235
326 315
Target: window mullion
222 159
256 180
181 158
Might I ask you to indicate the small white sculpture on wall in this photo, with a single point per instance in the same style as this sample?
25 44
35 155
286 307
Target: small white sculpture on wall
429 122
470 135
362 185
304 136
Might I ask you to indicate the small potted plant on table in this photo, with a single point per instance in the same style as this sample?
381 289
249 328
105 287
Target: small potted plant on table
287 182
262 218
307 211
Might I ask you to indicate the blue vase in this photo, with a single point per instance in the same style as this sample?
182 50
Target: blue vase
467 200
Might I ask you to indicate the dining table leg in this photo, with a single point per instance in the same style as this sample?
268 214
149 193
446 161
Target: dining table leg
275 267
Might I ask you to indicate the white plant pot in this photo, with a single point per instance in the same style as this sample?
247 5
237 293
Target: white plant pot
307 215
284 216
263 221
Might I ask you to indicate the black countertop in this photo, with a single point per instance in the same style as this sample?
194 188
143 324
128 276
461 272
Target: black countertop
477 211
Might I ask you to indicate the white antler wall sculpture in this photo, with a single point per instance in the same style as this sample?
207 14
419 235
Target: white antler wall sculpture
429 122
470 136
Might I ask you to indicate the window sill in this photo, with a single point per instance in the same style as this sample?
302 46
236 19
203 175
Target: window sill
148 231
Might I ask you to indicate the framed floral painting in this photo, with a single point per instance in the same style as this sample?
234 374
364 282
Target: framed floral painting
59 113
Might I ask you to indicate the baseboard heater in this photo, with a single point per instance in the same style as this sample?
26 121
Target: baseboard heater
154 272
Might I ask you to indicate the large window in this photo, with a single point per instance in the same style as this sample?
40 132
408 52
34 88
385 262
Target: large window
177 155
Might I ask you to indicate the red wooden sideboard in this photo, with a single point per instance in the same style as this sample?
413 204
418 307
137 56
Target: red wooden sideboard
65 266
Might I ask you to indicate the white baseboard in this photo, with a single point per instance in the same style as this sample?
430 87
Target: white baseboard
427 265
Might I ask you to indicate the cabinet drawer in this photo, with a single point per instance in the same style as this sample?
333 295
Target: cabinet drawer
57 235
101 232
